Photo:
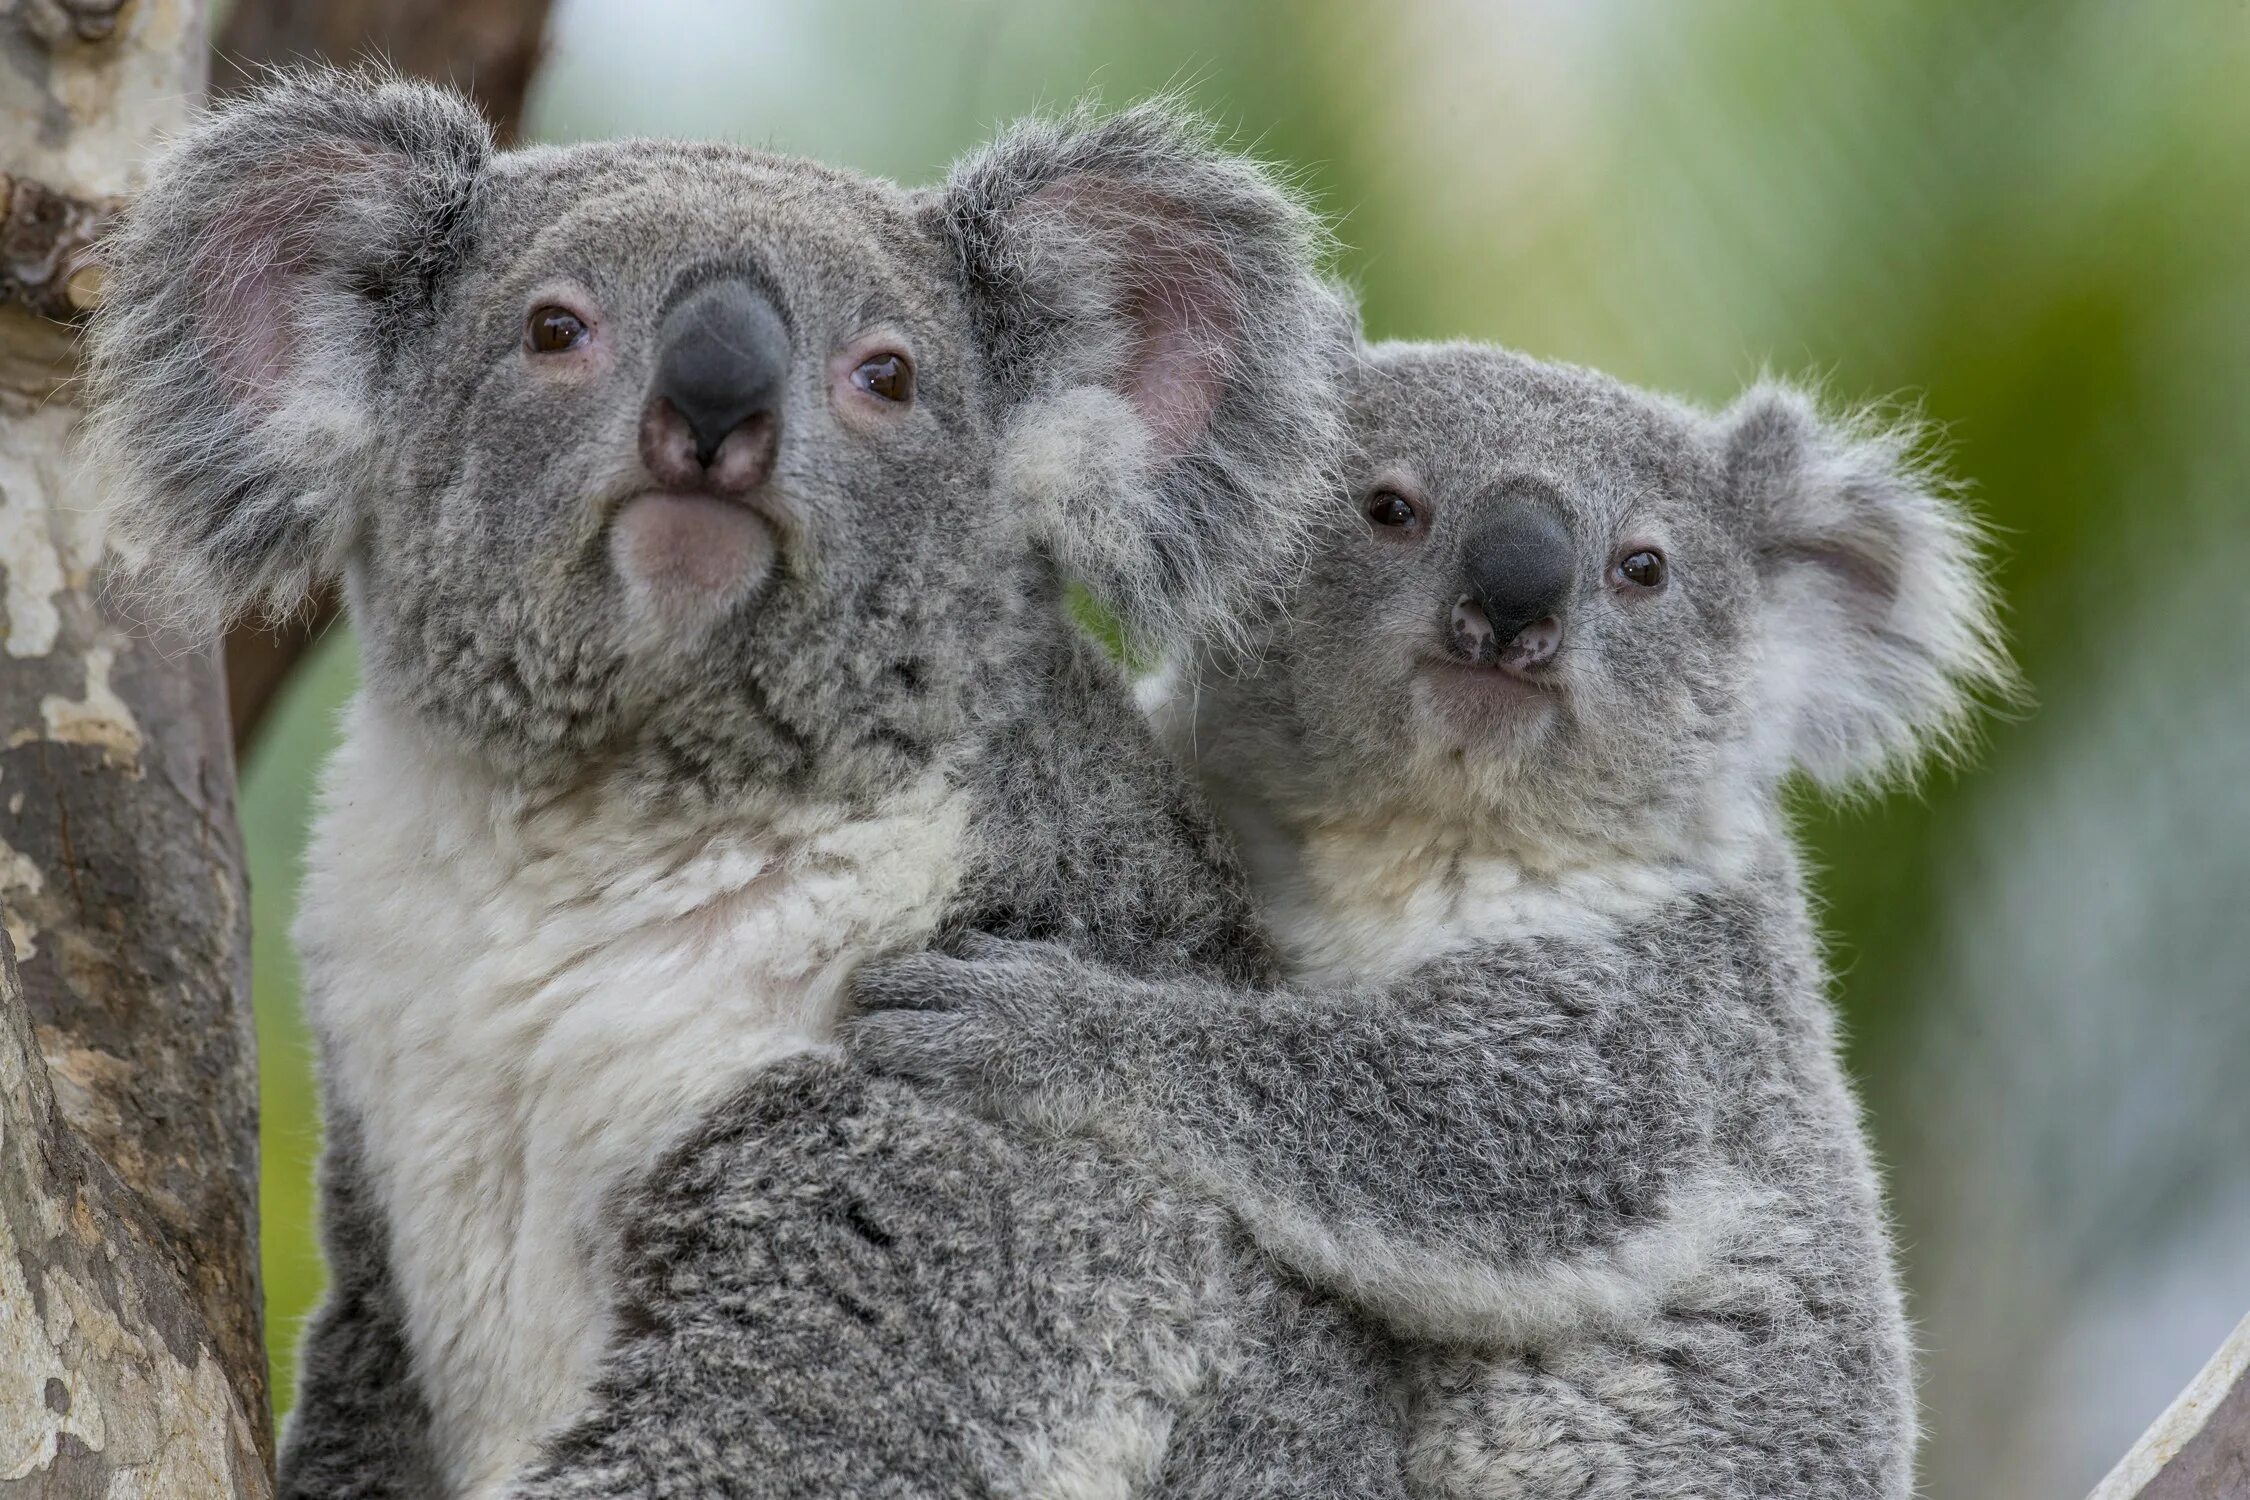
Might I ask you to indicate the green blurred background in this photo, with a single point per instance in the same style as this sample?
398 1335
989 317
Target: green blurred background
2030 219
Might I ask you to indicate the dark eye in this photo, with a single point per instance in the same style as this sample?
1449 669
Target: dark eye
551 329
889 375
1390 508
1642 569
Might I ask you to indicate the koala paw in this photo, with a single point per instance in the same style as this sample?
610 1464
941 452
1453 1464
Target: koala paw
982 1023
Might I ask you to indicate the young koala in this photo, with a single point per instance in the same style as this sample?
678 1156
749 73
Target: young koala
1554 1092
705 516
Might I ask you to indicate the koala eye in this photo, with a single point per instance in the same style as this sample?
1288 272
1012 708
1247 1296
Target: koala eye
1643 569
551 329
1390 508
888 375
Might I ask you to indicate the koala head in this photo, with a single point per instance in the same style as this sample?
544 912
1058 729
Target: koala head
693 460
1596 620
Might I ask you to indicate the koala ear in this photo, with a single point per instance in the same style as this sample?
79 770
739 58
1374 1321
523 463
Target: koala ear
1878 637
257 292
1151 310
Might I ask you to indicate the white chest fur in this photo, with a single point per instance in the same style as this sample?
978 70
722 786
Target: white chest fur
521 1006
1359 902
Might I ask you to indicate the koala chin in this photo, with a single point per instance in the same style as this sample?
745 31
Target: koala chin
1552 1093
688 561
708 653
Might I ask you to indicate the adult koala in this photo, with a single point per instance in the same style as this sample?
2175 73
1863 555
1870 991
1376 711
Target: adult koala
705 516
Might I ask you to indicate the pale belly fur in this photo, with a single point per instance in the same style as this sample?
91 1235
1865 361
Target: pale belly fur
522 1006
1359 904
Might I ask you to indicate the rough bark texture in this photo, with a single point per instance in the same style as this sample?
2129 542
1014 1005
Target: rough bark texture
128 1247
109 1384
486 48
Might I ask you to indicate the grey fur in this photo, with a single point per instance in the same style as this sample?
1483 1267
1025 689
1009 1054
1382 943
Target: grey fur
297 374
1598 1168
359 1429
839 1288
307 362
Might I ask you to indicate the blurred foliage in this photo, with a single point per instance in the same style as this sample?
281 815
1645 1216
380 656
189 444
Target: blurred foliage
2030 222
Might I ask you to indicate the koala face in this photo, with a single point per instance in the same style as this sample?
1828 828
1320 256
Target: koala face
696 458
1590 618
723 466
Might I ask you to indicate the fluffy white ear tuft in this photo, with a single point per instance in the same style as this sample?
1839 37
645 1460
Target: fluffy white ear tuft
1879 637
1151 307
257 290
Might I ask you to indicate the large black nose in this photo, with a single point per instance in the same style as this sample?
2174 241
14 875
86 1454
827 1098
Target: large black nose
722 355
1517 574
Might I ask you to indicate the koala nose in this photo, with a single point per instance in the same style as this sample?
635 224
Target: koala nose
714 408
1517 572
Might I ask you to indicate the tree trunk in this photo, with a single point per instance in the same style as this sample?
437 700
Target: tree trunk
2200 1448
486 48
107 1369
129 1288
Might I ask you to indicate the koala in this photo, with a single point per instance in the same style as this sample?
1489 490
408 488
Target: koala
1552 1093
705 516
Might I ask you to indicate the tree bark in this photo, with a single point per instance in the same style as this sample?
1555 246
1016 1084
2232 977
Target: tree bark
108 1375
129 1286
2200 1448
489 49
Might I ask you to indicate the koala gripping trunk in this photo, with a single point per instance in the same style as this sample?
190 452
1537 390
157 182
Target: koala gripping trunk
130 1330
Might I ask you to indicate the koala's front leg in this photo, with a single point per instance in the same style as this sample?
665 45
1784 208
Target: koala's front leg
360 1429
1491 1141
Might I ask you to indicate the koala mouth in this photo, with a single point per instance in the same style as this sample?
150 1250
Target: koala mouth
1499 680
686 559
1484 698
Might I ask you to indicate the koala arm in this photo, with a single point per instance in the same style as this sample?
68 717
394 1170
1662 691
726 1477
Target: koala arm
1490 1142
360 1430
842 1285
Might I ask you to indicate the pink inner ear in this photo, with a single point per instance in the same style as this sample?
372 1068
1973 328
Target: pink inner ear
245 322
258 258
1178 366
1175 294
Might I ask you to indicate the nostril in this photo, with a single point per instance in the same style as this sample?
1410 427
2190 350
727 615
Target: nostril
743 457
738 463
1472 632
1475 640
1533 646
668 446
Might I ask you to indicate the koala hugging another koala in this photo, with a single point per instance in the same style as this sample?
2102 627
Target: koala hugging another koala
705 516
1553 1094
